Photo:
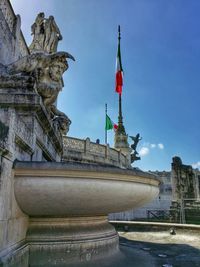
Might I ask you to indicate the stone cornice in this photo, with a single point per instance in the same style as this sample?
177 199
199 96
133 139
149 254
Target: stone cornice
21 143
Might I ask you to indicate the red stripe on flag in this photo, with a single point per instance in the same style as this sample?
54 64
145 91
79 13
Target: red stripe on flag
115 126
119 82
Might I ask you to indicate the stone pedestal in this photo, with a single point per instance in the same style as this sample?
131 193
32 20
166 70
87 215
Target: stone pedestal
121 143
68 240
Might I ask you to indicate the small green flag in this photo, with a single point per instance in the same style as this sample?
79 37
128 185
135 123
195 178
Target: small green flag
110 124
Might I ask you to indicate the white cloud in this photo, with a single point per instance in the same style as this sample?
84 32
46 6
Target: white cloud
147 147
161 146
196 165
144 151
152 145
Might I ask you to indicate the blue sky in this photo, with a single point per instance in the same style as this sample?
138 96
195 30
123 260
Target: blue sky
160 49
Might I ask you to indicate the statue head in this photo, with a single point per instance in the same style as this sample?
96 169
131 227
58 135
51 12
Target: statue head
56 70
51 18
40 16
63 123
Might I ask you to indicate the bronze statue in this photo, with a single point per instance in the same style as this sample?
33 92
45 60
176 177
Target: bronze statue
134 156
136 140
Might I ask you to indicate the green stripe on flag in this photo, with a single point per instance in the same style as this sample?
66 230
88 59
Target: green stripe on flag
109 125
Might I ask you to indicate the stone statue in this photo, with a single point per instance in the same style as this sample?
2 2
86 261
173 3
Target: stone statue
38 60
62 123
52 35
46 34
136 140
37 30
45 66
47 70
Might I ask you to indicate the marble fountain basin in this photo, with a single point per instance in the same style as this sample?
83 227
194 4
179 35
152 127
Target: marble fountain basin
68 204
74 189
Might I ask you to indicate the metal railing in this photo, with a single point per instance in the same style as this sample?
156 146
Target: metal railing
186 211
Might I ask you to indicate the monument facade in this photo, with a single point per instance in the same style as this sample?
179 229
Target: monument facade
31 126
55 192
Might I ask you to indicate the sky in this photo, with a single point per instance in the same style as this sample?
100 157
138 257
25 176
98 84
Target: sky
160 50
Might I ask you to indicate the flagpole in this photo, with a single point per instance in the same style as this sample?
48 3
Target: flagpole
105 125
120 95
120 118
121 138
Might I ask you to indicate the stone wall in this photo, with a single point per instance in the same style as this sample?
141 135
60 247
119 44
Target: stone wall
27 132
13 222
29 135
12 43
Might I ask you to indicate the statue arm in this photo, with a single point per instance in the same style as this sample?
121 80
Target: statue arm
33 29
57 30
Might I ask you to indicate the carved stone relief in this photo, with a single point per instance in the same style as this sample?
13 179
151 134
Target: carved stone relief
45 66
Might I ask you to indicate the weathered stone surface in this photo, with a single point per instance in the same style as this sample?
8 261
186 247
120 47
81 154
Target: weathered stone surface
121 143
13 223
12 44
183 180
23 100
82 195
85 151
59 184
185 192
31 127
43 69
70 240
46 34
18 256
46 71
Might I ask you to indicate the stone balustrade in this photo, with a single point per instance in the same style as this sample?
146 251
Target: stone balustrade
81 150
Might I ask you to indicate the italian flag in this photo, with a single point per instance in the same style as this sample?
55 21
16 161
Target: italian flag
119 71
110 124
